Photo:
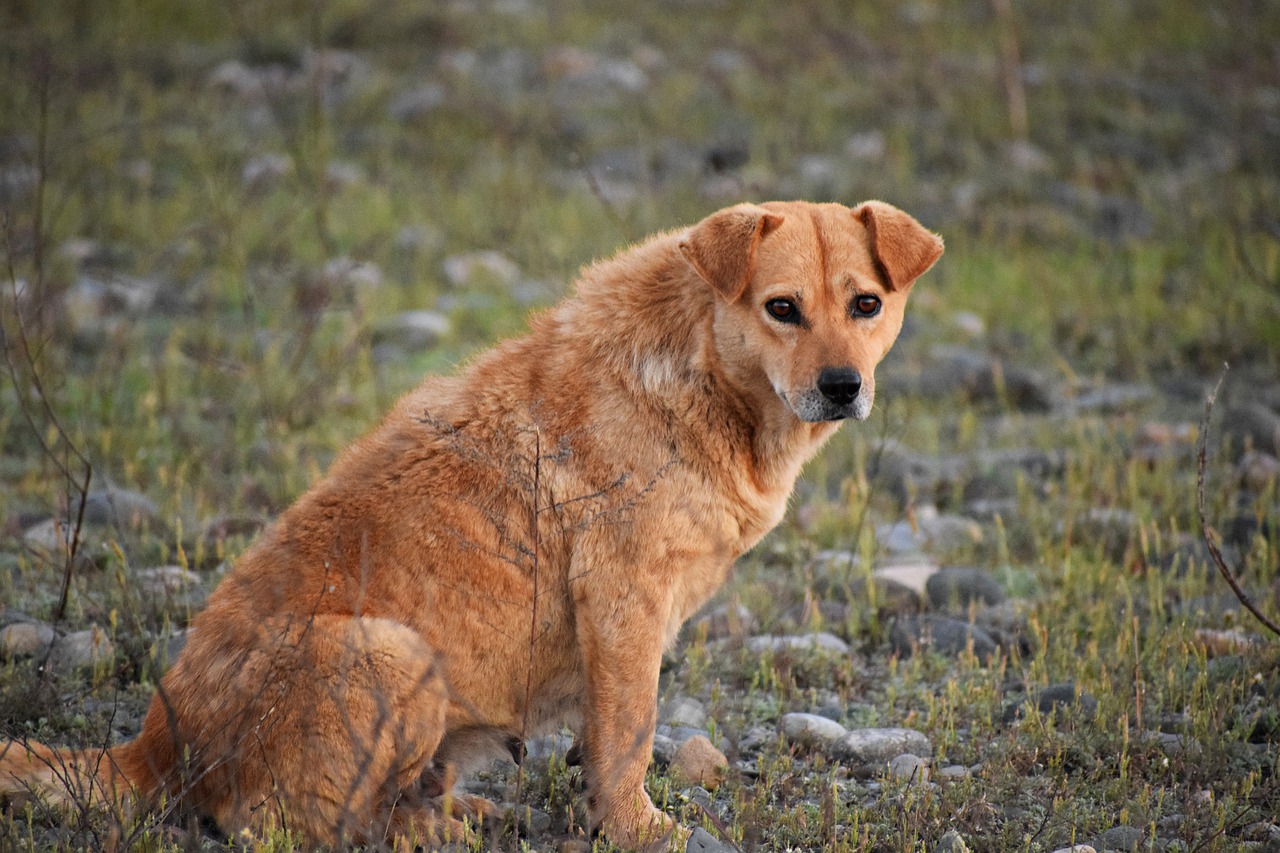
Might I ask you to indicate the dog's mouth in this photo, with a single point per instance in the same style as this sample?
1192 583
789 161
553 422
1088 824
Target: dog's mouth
812 407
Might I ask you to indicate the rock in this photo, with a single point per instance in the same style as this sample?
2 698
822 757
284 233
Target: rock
50 538
702 841
460 270
797 642
263 172
727 620
756 739
165 650
683 711
1252 425
416 103
1059 699
545 747
909 768
166 581
530 820
575 845
412 331
951 842
664 749
1256 470
811 730
1219 643
349 275
958 587
980 377
1125 838
879 745
953 772
911 574
219 529
698 762
940 634
931 531
81 649
1112 399
1076 848
26 639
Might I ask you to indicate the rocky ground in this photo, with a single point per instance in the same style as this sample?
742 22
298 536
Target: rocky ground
989 620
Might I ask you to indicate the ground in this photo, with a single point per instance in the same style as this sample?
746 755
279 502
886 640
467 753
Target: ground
233 236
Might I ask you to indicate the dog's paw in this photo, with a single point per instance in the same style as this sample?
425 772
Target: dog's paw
702 841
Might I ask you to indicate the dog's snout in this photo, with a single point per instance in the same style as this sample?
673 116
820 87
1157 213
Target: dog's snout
840 385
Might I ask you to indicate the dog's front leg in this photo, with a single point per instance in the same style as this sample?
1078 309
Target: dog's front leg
620 614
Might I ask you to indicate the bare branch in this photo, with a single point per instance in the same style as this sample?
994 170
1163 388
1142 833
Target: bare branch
1210 535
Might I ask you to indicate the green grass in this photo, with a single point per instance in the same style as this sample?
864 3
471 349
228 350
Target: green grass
1141 245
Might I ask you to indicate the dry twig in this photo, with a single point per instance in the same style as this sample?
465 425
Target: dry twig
1211 535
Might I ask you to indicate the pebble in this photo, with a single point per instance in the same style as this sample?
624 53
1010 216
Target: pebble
953 772
951 842
1076 848
664 748
727 620
940 634
165 581
756 739
412 331
683 711
774 643
1252 424
811 730
931 531
879 745
26 639
958 587
1257 469
909 768
698 762
1124 838
460 269
1056 698
81 649
702 841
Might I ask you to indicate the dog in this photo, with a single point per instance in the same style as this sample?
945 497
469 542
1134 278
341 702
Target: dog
515 546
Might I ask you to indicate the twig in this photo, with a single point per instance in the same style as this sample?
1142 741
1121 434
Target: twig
1211 535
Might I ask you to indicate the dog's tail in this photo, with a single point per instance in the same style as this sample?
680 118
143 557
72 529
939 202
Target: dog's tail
115 777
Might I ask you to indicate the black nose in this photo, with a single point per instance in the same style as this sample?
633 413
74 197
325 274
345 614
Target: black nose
840 385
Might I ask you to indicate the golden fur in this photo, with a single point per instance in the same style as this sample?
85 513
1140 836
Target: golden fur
513 548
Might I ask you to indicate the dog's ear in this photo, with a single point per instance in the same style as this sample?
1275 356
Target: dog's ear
903 248
722 247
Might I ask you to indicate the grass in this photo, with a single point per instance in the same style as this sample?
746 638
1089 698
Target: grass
197 337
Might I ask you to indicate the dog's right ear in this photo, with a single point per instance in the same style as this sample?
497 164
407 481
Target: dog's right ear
722 247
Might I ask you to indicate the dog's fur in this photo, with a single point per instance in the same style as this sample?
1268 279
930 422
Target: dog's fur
515 546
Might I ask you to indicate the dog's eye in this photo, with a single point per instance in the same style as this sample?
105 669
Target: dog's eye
866 305
783 310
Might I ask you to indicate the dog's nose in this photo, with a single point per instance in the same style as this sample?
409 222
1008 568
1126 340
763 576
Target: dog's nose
840 385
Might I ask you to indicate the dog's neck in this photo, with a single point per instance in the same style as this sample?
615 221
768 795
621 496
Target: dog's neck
675 364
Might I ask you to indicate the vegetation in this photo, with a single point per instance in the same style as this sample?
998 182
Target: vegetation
216 216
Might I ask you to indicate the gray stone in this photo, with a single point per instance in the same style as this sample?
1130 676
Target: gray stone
909 768
1076 848
417 103
755 739
1254 425
951 842
811 730
26 639
980 377
664 748
702 841
953 772
940 634
1256 469
412 331
958 587
929 531
1124 838
541 749
81 649
727 620
683 711
798 642
1059 699
879 745
460 270
167 581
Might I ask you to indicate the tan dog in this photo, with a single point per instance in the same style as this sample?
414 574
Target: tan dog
515 546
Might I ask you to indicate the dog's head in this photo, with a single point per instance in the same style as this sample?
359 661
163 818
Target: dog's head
812 296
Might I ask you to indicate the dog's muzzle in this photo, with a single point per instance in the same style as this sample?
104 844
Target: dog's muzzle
840 385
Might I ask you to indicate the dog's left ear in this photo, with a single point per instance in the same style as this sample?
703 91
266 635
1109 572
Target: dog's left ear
722 247
903 248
